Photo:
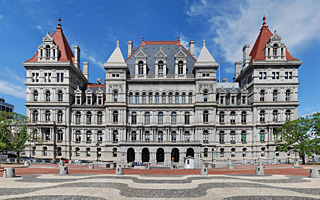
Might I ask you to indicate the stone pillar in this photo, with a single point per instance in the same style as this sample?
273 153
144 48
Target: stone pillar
138 157
153 157
182 154
167 158
197 162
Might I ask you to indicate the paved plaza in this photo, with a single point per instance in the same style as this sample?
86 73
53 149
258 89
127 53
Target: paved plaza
101 183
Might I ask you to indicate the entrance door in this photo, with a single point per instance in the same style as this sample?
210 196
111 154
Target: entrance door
175 155
130 155
160 155
190 152
145 155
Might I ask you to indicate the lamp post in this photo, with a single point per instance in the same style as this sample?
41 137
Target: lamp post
212 154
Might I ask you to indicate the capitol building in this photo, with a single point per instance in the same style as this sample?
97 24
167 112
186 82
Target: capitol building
159 103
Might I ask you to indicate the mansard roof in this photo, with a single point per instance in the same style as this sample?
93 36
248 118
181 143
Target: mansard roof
262 39
63 45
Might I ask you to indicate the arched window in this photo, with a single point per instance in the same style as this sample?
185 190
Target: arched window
262 95
130 97
187 118
183 100
99 137
221 117
173 136
48 95
45 151
115 136
205 152
150 97
205 96
244 152
275 95
134 118
88 152
60 116
243 117
147 118
115 95
35 115
288 95
160 67
180 67
35 95
78 117
173 118
221 137
137 97
157 97
99 117
77 151
205 136
275 115
88 137
170 97
275 49
144 98
60 136
233 117
78 137
262 136
140 67
288 113
60 95
48 51
232 137
222 152
177 97
262 116
160 118
263 151
243 136
88 118
47 115
133 136
114 152
205 116
190 97
187 136
160 136
115 116
163 97
233 152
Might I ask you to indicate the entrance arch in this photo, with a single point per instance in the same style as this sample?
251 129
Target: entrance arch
130 155
145 155
160 155
190 152
175 154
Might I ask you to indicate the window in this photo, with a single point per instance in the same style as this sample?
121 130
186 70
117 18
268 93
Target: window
89 100
78 117
221 137
262 151
183 100
205 136
232 137
222 152
275 49
88 117
78 136
60 136
275 95
47 135
221 117
157 97
275 75
205 152
47 95
133 136
221 99
147 118
47 77
262 116
35 115
115 136
150 97
99 137
180 67
115 116
243 100
77 151
205 116
190 97
262 95
99 117
205 96
147 136
244 152
115 96
78 100
187 137
160 67
160 136
45 153
262 75
233 152
88 152
60 77
47 116
35 77
288 75
144 98
163 97
48 52
233 117
177 97
134 118
137 97
262 136
60 96
288 95
275 116
173 118
187 118
243 136
173 136
170 97
140 67
60 116
130 97
35 95
160 118
243 117
114 152
288 113
88 137
233 99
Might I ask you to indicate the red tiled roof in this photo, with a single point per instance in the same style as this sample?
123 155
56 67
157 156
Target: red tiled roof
96 85
63 45
263 37
161 42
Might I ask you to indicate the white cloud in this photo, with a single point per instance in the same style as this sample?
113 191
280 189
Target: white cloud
231 24
12 89
9 73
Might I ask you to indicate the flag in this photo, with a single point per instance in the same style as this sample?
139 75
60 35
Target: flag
219 60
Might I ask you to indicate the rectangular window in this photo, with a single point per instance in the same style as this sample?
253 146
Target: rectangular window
273 75
290 75
264 75
286 75
277 75
243 137
33 77
262 135
233 138
221 138
58 77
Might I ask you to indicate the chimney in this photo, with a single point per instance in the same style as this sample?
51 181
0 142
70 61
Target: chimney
99 81
238 66
86 70
246 57
225 80
77 57
130 47
191 47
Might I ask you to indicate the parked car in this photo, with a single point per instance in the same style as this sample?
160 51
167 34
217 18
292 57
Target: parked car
64 160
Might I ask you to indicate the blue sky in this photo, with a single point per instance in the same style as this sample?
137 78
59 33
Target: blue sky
96 26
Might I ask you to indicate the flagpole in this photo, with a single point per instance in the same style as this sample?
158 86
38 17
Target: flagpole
219 68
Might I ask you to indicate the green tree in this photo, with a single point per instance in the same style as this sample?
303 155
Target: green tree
300 135
4 131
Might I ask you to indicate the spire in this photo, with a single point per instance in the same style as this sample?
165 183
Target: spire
116 57
203 43
59 24
264 24
205 56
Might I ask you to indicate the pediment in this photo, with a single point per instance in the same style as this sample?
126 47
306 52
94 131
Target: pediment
233 90
99 91
47 38
140 54
78 90
88 91
222 91
160 54
244 91
181 54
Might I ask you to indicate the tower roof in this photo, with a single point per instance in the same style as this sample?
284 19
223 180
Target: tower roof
63 45
263 37
116 57
205 56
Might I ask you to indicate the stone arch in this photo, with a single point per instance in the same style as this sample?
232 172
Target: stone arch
190 152
130 155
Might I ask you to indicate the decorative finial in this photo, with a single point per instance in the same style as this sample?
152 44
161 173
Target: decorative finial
48 33
118 44
178 39
142 39
264 21
59 24
204 43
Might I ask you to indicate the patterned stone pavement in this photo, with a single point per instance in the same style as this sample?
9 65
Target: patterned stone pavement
109 186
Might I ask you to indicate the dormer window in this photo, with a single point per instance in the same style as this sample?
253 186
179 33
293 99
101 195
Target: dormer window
275 49
48 50
160 67
180 67
48 54
78 100
140 67
89 100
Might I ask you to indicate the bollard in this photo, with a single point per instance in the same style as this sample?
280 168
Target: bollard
260 162
27 163
259 171
61 163
204 171
9 173
231 166
296 164
63 170
119 171
91 166
314 172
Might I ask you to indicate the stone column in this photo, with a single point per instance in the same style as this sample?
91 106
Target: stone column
182 154
153 157
167 158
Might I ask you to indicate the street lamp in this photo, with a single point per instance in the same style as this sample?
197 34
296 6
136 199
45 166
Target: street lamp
212 154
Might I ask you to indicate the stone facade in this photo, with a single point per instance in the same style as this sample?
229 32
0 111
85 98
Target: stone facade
161 104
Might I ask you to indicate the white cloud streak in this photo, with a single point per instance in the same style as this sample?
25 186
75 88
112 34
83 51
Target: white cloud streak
12 89
231 24
9 73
